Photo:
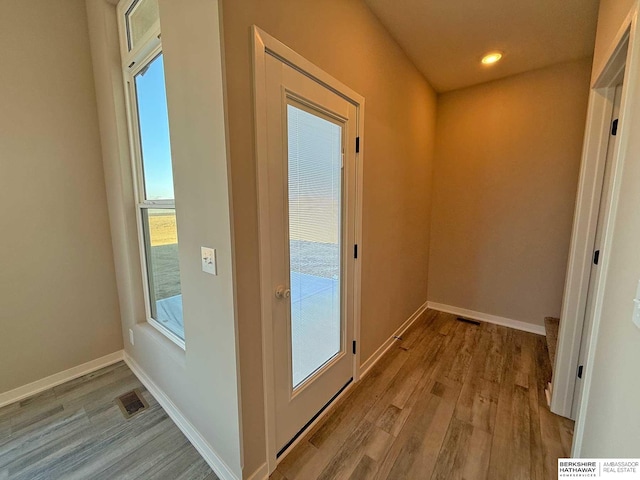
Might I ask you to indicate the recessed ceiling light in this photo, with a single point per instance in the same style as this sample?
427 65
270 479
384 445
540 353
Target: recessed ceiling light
491 58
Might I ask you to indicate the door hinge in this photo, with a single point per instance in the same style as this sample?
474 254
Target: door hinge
355 251
357 144
354 347
614 127
596 257
580 371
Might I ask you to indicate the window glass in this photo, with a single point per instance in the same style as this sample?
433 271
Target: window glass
140 19
163 270
153 122
143 67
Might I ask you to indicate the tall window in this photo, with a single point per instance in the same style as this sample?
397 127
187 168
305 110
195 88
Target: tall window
143 68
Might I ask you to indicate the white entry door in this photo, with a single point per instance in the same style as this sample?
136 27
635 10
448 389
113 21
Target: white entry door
311 138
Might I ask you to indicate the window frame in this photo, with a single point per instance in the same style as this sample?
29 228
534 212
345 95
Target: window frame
133 62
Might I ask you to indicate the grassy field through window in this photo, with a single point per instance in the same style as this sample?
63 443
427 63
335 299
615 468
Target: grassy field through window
163 236
163 228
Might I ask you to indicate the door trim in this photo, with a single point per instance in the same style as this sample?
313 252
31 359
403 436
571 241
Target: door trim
263 45
574 312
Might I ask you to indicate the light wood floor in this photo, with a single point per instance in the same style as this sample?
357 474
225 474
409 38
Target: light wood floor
452 400
76 431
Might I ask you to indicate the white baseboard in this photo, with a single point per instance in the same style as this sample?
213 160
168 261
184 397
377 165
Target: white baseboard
377 355
56 379
262 473
485 317
190 431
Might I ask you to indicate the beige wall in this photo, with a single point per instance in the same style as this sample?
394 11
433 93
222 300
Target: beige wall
505 178
201 381
58 301
612 417
346 40
611 15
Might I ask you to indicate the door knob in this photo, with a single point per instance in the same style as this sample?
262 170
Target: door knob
282 292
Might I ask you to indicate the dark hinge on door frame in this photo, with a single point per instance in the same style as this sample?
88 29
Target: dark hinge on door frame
355 251
614 127
357 144
596 257
580 371
354 347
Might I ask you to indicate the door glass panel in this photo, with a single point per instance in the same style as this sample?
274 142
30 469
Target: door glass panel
315 199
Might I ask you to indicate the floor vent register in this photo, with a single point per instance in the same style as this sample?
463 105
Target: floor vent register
132 403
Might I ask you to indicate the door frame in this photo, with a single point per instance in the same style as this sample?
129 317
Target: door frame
620 64
263 45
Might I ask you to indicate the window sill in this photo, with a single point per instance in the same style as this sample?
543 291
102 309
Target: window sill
167 333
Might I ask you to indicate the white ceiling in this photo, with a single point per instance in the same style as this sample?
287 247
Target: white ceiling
447 38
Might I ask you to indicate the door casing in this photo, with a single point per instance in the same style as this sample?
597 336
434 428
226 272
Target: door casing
263 45
596 270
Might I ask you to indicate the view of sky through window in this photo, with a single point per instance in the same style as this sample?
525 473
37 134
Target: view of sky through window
154 131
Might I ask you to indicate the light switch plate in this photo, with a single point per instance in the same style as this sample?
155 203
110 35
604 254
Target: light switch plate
208 256
636 308
636 313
